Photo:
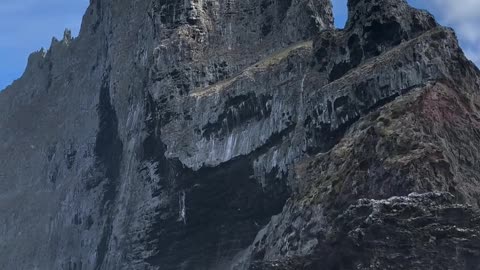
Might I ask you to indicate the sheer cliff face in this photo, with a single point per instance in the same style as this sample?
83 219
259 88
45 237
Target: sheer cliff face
170 134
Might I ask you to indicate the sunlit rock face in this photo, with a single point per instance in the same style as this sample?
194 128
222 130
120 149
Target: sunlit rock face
243 135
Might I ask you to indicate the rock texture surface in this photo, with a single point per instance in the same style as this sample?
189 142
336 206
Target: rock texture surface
228 134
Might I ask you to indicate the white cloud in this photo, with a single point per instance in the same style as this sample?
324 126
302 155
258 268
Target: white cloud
458 10
473 54
469 31
464 17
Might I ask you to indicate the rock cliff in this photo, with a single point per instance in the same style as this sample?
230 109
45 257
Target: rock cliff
228 134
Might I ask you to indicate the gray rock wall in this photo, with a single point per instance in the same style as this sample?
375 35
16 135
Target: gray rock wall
170 134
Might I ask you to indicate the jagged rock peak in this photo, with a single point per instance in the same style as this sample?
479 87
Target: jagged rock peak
387 20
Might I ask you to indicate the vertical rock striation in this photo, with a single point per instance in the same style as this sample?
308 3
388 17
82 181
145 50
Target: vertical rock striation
231 134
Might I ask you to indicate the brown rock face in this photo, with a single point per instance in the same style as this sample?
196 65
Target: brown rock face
243 135
344 213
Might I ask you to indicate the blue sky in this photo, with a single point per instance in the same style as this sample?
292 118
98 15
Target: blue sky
28 25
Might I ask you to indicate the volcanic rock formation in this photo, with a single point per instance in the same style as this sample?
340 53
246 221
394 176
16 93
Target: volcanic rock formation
241 134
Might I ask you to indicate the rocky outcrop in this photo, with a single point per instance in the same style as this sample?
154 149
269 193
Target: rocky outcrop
399 233
243 135
398 149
